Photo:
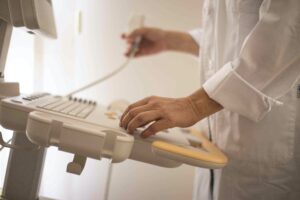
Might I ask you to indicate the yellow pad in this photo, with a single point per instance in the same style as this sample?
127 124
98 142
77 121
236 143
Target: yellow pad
205 155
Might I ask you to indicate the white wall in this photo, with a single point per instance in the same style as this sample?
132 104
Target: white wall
75 59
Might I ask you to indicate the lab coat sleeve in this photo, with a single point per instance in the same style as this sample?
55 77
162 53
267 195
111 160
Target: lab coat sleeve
196 35
271 48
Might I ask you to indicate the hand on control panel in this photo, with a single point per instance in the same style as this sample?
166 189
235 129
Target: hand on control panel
163 113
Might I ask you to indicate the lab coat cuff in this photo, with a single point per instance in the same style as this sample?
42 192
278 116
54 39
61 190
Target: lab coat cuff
196 35
234 93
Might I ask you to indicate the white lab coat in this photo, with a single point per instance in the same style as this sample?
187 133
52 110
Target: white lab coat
250 64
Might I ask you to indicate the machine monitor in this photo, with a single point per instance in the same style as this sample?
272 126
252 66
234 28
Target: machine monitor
36 16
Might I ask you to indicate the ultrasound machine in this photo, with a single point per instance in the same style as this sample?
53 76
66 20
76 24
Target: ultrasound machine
75 125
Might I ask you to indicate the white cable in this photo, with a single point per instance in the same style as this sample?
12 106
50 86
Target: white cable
123 66
136 21
115 72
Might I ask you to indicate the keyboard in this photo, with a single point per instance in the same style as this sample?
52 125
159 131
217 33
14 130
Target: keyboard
89 130
15 110
72 106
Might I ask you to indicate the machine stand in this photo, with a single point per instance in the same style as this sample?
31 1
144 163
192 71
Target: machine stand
24 170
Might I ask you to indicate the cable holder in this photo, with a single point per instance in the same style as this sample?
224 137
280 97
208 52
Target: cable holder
109 144
77 165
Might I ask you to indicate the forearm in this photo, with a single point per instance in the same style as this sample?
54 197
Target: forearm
181 41
203 105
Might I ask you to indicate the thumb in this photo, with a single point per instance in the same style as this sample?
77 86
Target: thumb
137 32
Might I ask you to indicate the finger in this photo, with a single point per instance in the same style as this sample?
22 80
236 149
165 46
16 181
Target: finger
125 36
143 119
144 52
137 32
133 113
130 42
145 48
155 128
127 52
134 105
142 49
139 53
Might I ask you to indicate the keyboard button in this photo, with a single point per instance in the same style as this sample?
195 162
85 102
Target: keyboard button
16 101
63 106
70 108
84 113
111 115
78 109
27 98
53 105
47 102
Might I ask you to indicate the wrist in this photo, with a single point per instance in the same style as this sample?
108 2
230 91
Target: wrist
169 40
176 41
203 105
181 41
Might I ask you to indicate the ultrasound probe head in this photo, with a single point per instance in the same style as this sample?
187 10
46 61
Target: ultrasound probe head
136 21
